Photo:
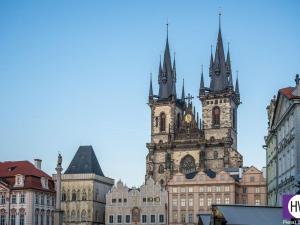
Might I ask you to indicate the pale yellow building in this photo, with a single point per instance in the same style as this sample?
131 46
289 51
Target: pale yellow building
84 187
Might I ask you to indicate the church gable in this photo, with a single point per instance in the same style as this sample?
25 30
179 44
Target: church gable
281 107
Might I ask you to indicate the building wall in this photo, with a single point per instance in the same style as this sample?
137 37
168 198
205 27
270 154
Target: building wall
83 198
189 197
252 188
148 200
32 206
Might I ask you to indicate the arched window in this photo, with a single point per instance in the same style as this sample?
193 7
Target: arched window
216 116
73 195
234 118
161 168
178 120
73 215
68 195
63 196
83 216
162 182
78 195
162 122
83 195
187 164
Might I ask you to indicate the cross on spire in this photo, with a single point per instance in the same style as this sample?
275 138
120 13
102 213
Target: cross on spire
220 14
297 79
189 98
167 24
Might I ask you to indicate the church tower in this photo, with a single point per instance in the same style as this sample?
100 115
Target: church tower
166 113
220 101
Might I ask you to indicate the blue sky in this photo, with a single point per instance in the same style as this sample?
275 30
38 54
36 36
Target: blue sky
77 72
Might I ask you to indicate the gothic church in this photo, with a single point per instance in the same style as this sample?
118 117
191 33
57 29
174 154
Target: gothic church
180 141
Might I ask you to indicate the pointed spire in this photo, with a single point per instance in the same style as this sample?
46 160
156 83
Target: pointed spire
150 88
183 92
202 88
211 65
228 61
174 78
200 125
219 78
237 89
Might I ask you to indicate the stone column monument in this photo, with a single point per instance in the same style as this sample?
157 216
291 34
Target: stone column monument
58 215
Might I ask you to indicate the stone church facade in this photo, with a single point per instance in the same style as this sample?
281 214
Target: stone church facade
180 140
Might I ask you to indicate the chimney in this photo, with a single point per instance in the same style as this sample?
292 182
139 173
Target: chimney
38 163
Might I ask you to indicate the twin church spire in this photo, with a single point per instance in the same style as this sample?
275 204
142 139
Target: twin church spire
220 73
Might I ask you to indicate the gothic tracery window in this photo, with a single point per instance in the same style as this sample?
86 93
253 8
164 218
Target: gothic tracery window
216 116
187 164
162 122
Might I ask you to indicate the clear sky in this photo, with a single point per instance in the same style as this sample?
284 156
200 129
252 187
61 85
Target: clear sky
77 72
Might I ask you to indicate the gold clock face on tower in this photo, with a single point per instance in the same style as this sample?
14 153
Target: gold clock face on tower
188 118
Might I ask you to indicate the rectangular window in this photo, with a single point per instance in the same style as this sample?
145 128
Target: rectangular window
125 200
127 218
48 200
2 219
42 200
201 189
2 199
111 219
218 200
114 200
182 217
152 218
144 218
13 220
14 199
208 189
252 179
227 200
218 189
257 202
191 202
174 201
22 219
144 199
47 220
22 199
201 202
257 190
36 219
119 218
42 219
190 189
226 188
174 189
209 201
161 218
182 189
244 189
190 218
183 202
175 217
120 200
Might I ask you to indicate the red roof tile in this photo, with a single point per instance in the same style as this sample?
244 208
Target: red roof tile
12 168
288 92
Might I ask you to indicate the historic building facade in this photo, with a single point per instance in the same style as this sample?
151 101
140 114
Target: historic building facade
283 143
83 187
252 189
27 195
192 195
144 205
180 142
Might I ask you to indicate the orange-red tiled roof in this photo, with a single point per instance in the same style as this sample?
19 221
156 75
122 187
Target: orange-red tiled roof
12 168
288 92
9 169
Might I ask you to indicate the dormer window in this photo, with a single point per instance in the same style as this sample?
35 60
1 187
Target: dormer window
19 180
44 182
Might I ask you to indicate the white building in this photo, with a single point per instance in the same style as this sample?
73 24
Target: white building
27 195
144 205
284 126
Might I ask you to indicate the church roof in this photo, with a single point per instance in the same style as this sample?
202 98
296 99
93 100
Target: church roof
85 161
